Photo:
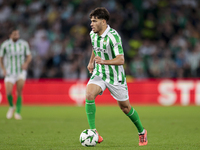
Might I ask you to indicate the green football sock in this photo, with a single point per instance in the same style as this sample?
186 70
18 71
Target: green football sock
19 104
10 100
133 115
90 109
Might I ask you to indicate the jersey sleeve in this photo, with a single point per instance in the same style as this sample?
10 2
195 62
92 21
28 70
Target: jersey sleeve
118 48
2 49
92 35
117 44
27 51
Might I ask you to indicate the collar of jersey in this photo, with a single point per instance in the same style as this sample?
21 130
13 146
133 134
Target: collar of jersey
13 41
106 31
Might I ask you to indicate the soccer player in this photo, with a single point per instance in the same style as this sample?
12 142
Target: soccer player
17 58
108 73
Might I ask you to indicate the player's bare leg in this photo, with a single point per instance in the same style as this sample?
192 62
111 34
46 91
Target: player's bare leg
92 91
133 115
11 110
124 106
20 85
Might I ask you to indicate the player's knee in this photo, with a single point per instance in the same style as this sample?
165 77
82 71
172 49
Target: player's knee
19 91
9 94
90 96
125 110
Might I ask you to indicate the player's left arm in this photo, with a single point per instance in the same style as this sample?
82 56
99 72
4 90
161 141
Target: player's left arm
27 62
28 58
118 60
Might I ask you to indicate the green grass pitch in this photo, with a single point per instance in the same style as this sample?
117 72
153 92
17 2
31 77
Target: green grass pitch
58 128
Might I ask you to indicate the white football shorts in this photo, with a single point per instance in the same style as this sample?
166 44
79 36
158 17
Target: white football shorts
14 78
119 92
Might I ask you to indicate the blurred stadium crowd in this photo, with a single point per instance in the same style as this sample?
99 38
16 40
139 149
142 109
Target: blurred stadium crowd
160 37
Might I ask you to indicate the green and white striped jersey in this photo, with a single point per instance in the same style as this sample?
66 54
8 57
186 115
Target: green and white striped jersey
108 46
14 54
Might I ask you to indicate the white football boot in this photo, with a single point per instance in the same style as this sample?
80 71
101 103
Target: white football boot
10 112
18 116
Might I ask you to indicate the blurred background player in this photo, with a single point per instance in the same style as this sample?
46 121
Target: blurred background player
108 73
17 58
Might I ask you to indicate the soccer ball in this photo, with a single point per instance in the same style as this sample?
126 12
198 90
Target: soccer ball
89 138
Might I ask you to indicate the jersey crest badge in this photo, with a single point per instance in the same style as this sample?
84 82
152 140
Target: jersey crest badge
104 42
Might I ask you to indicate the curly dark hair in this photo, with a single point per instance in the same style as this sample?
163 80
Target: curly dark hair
11 29
100 13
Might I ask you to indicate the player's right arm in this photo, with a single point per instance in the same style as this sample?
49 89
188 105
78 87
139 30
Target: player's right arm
90 66
1 59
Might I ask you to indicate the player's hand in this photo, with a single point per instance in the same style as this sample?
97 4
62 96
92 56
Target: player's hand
90 67
4 72
98 60
24 66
